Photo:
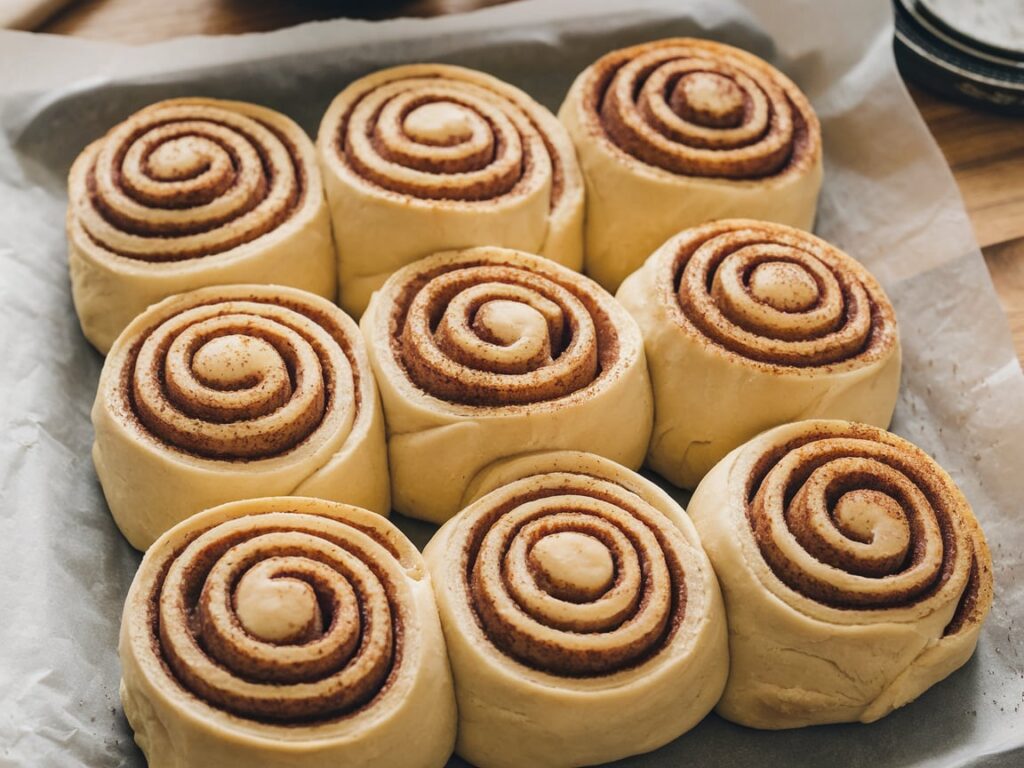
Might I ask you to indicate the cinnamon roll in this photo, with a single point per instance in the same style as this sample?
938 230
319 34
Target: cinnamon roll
188 193
236 392
583 620
485 353
427 157
854 573
679 132
285 632
749 325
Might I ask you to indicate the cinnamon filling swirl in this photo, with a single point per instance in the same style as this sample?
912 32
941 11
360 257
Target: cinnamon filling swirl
697 108
857 520
578 578
282 617
241 378
494 334
438 137
180 181
776 295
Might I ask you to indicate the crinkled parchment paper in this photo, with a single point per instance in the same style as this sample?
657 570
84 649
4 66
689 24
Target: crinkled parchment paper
889 199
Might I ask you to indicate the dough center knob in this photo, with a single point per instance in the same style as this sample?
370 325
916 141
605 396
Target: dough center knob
439 122
574 565
707 99
874 518
506 322
278 610
784 286
182 158
234 361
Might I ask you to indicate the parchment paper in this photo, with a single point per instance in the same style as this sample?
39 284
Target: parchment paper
889 199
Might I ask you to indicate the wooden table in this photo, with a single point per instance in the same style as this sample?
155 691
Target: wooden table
985 151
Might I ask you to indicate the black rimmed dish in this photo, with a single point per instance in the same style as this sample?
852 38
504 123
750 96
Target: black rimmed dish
967 52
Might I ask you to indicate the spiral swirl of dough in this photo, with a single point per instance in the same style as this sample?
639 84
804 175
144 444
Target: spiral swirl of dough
234 392
577 577
484 353
699 108
493 330
569 579
778 295
237 379
854 572
286 630
285 617
189 193
856 519
443 133
190 178
241 379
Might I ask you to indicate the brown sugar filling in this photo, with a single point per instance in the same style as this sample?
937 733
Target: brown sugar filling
246 663
654 114
846 319
510 182
581 339
548 654
167 232
903 478
162 420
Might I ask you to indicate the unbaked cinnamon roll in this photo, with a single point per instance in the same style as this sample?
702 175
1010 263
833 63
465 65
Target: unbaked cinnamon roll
679 132
488 352
749 325
188 193
854 573
285 632
583 619
427 157
236 392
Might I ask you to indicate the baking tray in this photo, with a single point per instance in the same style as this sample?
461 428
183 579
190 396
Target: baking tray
888 199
